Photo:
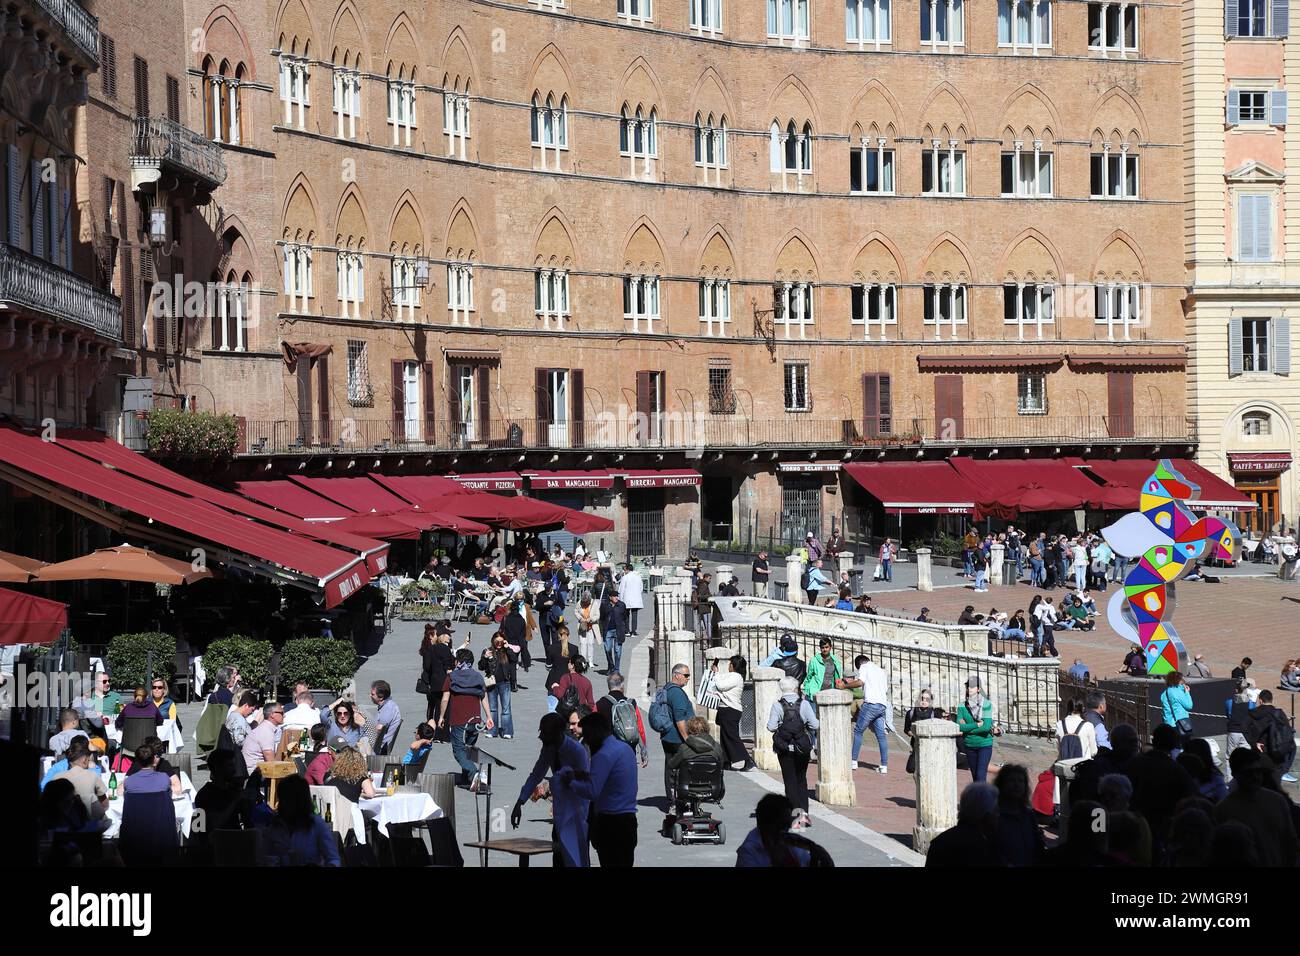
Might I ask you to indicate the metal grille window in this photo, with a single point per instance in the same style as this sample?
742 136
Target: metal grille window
797 398
722 397
1031 394
1028 306
873 307
360 394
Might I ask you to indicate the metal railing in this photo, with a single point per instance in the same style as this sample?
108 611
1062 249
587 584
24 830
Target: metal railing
1024 691
162 140
80 27
1121 708
1055 428
42 287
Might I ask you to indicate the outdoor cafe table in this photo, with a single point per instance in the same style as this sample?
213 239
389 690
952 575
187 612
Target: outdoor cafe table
522 847
405 806
167 732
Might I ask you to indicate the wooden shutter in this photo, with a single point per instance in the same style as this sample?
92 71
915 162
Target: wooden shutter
323 398
1277 108
173 99
430 407
643 408
1235 363
399 406
14 187
1246 228
454 411
948 424
141 86
542 389
1281 17
577 423
36 207
877 416
1281 329
127 285
1234 107
108 66
484 403
66 240
1119 401
1262 245
1230 18
304 400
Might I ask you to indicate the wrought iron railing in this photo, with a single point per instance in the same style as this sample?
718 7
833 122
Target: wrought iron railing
1038 428
159 139
44 288
80 27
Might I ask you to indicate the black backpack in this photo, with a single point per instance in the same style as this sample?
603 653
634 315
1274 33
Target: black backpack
571 700
1071 746
791 735
805 579
1277 737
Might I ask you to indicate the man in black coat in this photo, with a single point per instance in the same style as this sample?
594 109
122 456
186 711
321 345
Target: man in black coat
1269 731
614 629
970 842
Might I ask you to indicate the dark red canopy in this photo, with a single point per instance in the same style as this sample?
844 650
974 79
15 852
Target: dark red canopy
26 619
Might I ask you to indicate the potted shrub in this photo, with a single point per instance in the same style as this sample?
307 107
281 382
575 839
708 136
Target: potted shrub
128 658
318 662
252 657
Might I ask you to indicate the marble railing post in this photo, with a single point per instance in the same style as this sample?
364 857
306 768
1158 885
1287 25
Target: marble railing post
767 688
793 576
845 561
936 780
835 748
924 577
681 650
723 574
996 555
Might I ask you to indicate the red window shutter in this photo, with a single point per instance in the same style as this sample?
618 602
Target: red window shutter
870 406
454 411
323 398
577 424
430 408
948 407
399 405
886 405
643 409
1119 404
484 403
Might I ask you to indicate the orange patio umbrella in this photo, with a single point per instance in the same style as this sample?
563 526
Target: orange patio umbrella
16 569
123 563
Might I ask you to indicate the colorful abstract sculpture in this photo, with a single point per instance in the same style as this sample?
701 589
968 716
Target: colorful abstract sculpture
1166 539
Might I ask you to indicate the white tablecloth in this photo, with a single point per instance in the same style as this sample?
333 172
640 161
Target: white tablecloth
167 733
183 805
399 808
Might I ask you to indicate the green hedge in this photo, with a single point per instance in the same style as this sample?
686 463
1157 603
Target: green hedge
192 434
128 657
252 657
317 661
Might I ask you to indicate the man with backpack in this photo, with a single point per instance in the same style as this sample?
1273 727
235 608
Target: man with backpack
624 718
786 657
792 721
669 711
1270 733
1094 712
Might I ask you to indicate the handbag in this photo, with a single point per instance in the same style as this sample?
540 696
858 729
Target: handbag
422 686
1184 724
708 692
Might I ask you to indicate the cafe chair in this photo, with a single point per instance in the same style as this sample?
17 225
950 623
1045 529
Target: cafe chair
135 730
148 835
184 762
383 750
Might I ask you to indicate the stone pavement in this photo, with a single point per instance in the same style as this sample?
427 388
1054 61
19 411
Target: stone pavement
397 661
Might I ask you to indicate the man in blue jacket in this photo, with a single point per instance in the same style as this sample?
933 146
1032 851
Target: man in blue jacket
611 787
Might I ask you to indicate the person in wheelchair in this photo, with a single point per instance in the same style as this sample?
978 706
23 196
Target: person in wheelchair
696 770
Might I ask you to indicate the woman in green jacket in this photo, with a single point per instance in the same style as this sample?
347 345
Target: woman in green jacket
975 721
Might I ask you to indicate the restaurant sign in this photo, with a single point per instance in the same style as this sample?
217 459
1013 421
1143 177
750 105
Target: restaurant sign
1257 462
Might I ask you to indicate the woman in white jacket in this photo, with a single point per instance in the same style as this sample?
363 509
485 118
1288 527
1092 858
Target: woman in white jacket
631 591
729 683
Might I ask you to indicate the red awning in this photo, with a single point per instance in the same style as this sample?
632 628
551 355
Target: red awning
292 499
357 494
504 512
580 522
914 488
1133 472
419 488
1004 489
1259 461
101 448
56 472
388 527
599 479
676 478
490 481
27 619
